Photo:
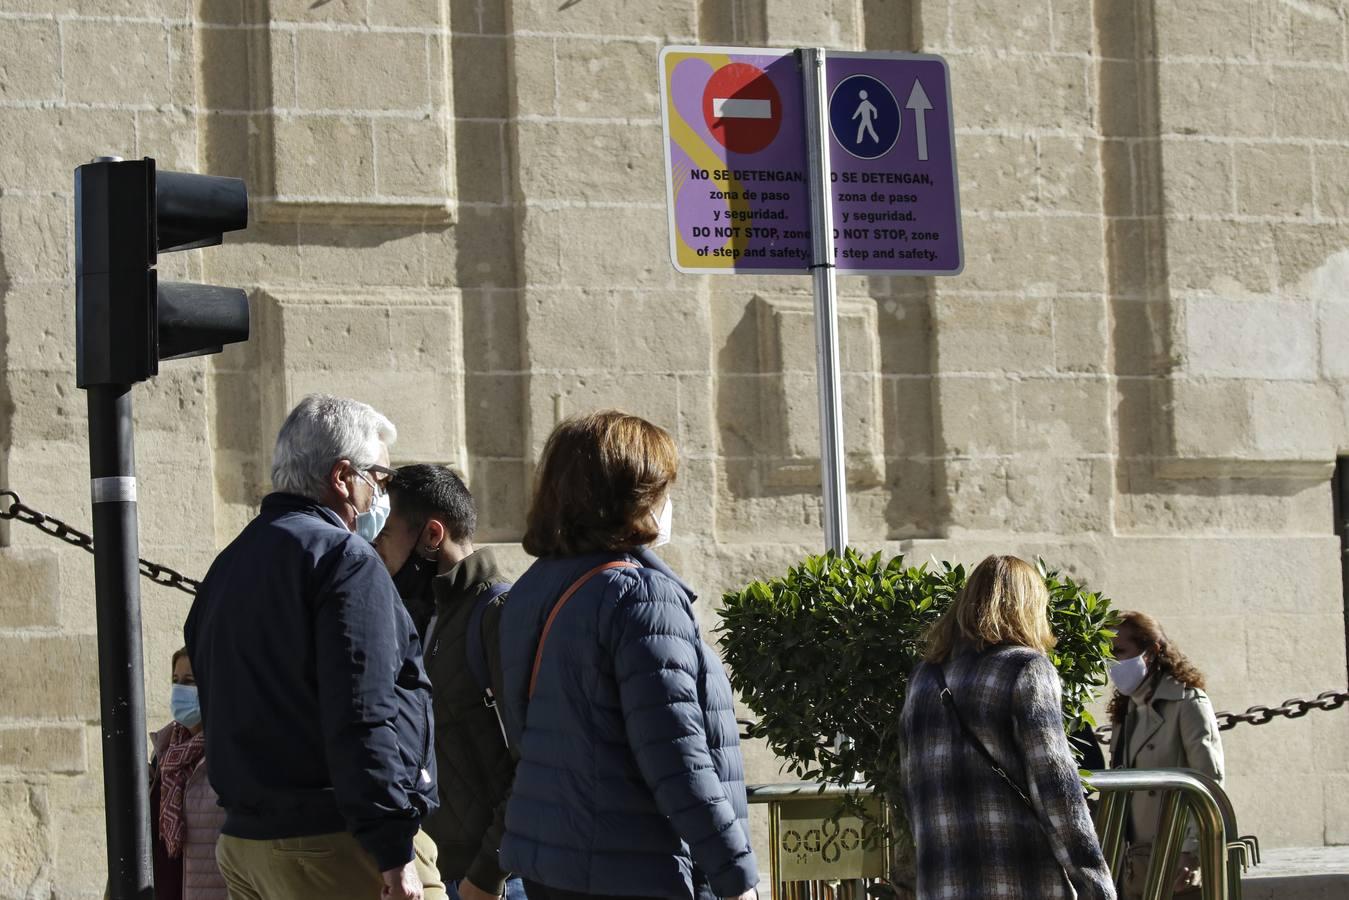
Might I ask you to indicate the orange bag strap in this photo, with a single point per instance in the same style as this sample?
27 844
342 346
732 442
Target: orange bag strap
557 608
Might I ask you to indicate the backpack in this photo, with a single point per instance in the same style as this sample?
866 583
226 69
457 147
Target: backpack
476 654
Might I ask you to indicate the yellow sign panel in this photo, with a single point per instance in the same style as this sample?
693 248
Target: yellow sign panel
814 842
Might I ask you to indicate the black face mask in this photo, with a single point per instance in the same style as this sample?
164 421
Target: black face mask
413 582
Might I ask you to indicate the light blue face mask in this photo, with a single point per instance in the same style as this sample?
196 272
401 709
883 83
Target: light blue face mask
371 522
185 706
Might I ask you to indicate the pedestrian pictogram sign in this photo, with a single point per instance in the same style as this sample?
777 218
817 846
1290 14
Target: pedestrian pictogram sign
864 117
896 202
735 144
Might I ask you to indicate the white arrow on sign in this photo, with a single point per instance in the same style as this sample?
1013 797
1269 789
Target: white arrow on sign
919 103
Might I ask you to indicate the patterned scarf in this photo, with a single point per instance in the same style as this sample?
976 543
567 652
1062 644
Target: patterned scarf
176 765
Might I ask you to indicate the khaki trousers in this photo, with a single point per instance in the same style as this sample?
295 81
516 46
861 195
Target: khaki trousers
331 866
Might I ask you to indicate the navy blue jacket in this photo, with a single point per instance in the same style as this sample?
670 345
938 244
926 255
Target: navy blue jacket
630 774
311 684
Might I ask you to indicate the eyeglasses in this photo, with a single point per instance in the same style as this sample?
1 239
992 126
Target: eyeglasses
380 485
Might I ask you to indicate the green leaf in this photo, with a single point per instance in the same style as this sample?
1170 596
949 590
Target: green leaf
827 649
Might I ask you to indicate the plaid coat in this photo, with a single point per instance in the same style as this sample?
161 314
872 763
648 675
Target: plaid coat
975 838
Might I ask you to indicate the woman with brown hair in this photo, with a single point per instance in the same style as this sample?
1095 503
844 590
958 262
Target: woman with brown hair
630 781
991 788
1160 718
183 809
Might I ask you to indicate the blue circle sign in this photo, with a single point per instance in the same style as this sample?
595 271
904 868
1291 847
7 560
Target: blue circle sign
864 116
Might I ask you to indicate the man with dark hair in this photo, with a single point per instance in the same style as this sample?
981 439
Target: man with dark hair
453 592
430 532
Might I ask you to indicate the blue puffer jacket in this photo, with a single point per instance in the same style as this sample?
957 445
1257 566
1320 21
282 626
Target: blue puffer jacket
630 778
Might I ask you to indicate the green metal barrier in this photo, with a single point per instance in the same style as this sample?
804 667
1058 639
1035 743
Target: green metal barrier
818 851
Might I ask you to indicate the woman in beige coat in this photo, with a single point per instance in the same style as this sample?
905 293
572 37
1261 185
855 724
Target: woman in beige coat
1160 718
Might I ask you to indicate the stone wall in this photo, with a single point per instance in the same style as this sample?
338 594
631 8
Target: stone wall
459 216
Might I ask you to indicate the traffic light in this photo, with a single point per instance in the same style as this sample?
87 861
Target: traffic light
126 320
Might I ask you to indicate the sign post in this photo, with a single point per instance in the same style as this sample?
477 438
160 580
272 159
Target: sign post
833 462
787 162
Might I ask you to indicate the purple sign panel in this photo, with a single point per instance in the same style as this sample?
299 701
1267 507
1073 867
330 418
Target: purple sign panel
737 173
735 160
893 160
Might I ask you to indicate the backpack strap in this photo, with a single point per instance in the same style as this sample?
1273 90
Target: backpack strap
475 654
557 608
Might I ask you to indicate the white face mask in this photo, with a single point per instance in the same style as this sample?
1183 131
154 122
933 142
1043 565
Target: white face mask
1128 675
664 522
371 522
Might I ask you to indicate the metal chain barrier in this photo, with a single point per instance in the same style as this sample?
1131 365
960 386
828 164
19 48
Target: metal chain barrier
1291 709
170 578
18 511
1263 715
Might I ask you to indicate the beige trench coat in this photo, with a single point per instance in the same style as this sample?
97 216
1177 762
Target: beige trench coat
1174 728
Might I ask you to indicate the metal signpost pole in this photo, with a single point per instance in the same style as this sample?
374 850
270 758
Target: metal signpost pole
825 283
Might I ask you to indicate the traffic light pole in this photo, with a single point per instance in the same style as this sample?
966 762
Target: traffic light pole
126 787
126 321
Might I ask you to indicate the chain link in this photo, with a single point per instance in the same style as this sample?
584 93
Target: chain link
20 512
1289 709
170 578
1263 715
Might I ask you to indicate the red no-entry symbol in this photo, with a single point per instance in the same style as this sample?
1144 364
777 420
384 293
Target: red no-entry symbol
742 108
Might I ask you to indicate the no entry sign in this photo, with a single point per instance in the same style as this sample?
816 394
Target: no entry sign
735 145
735 160
742 107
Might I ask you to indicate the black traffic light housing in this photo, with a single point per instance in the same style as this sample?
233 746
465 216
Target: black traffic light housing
126 321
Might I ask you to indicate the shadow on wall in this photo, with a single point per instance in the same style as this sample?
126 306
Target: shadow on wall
767 415
1143 313
6 400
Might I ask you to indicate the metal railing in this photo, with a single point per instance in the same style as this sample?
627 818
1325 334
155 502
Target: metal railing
821 850
1187 794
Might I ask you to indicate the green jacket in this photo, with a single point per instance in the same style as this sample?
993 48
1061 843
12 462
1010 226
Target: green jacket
475 767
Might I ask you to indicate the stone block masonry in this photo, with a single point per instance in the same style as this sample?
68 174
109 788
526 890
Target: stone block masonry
460 216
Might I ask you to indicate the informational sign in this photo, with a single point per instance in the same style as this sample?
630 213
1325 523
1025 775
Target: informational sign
735 160
767 149
893 160
817 841
735 145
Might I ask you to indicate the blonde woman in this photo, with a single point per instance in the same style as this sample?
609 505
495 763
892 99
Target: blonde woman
992 790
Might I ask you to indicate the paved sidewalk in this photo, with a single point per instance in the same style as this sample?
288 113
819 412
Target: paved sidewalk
1299 873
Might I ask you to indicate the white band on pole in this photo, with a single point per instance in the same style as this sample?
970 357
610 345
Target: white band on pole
114 489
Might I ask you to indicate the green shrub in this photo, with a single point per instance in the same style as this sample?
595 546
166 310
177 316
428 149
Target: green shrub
826 652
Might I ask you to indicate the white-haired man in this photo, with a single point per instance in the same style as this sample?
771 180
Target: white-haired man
311 682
